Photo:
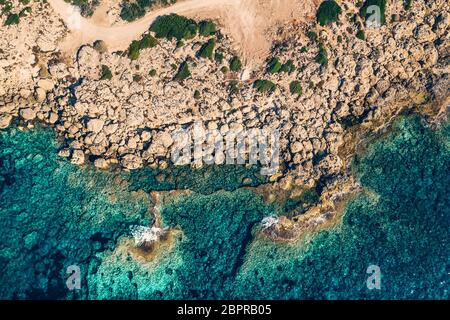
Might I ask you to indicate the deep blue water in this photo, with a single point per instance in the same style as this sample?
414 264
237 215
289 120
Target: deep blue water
54 214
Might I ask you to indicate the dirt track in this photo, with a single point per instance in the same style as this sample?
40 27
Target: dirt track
246 21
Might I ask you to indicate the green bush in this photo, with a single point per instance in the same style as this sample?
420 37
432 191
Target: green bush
224 70
131 11
207 49
380 3
360 35
137 77
174 26
288 67
86 6
183 72
219 56
296 88
273 66
133 50
148 41
264 86
152 73
235 64
322 56
328 12
12 18
408 4
105 73
207 28
196 95
312 36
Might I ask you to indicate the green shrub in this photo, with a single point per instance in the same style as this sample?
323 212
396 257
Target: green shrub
196 95
105 73
264 86
233 87
312 36
408 4
207 49
207 28
12 18
133 50
148 41
152 73
224 70
360 35
322 56
380 3
303 49
339 39
296 88
137 77
174 26
288 67
235 64
131 11
183 72
273 66
219 56
328 12
86 6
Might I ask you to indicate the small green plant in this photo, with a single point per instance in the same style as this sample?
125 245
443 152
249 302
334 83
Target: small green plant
207 49
152 73
174 26
235 64
408 4
296 88
148 41
273 66
288 67
360 35
312 36
105 73
219 56
339 39
183 72
133 50
322 56
196 95
207 28
264 86
328 12
224 70
12 18
233 87
137 77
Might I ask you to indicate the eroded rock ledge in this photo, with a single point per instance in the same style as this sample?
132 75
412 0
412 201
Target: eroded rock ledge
128 119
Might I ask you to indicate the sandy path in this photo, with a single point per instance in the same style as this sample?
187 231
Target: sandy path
246 21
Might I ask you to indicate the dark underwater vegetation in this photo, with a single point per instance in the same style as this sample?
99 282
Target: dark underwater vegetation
54 214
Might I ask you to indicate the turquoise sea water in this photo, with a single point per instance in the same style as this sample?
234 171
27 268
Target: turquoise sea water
54 214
